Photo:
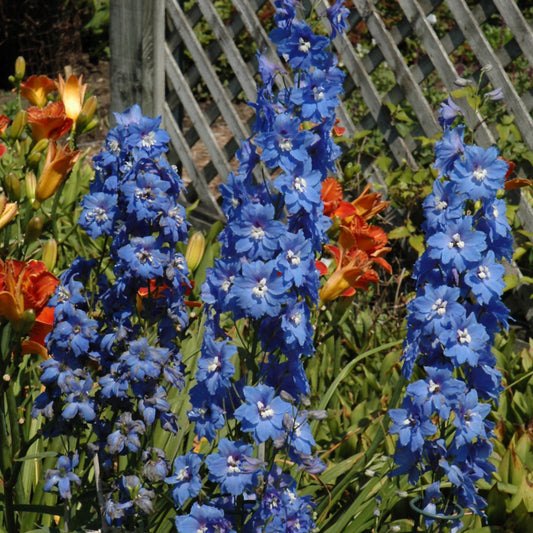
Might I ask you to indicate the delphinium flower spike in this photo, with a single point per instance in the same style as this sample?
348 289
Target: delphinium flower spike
442 426
249 398
115 341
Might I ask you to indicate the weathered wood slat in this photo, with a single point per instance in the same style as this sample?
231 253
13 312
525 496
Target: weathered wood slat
187 159
441 61
218 92
497 75
518 25
396 62
240 68
194 112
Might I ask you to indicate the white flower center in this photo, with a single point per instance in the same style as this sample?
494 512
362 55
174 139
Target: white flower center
257 233
99 214
433 387
214 364
463 337
183 474
292 258
480 174
296 318
299 184
318 93
261 288
148 140
144 256
495 212
226 284
265 410
285 145
483 272
456 241
439 306
114 147
233 465
303 45
441 205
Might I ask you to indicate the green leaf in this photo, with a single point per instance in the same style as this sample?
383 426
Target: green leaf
399 233
37 456
383 162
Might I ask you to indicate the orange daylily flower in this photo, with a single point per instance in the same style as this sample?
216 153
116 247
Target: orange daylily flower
514 183
360 245
353 271
36 88
72 94
50 122
4 122
24 286
57 165
331 196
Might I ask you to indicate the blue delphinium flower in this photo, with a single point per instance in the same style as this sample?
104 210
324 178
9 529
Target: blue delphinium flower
186 479
262 413
231 467
116 336
204 518
265 284
442 425
63 476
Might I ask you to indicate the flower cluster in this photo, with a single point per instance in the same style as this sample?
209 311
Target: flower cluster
442 426
266 283
115 341
25 288
360 245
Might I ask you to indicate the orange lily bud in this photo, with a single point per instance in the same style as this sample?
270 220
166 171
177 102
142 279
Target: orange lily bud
87 114
12 185
195 251
58 164
18 124
33 230
20 68
8 211
40 146
31 185
36 88
50 254
72 94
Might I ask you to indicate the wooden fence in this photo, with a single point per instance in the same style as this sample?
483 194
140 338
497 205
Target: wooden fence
171 68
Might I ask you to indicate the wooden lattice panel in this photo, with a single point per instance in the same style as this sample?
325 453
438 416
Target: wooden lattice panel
190 122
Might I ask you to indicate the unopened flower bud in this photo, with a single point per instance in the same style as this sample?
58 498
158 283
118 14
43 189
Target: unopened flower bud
195 251
486 68
33 230
26 322
34 159
50 254
18 124
6 377
12 185
287 397
40 146
87 114
31 184
20 68
317 415
496 95
462 82
8 210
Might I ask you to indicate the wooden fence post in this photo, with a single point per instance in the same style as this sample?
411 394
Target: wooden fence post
136 39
